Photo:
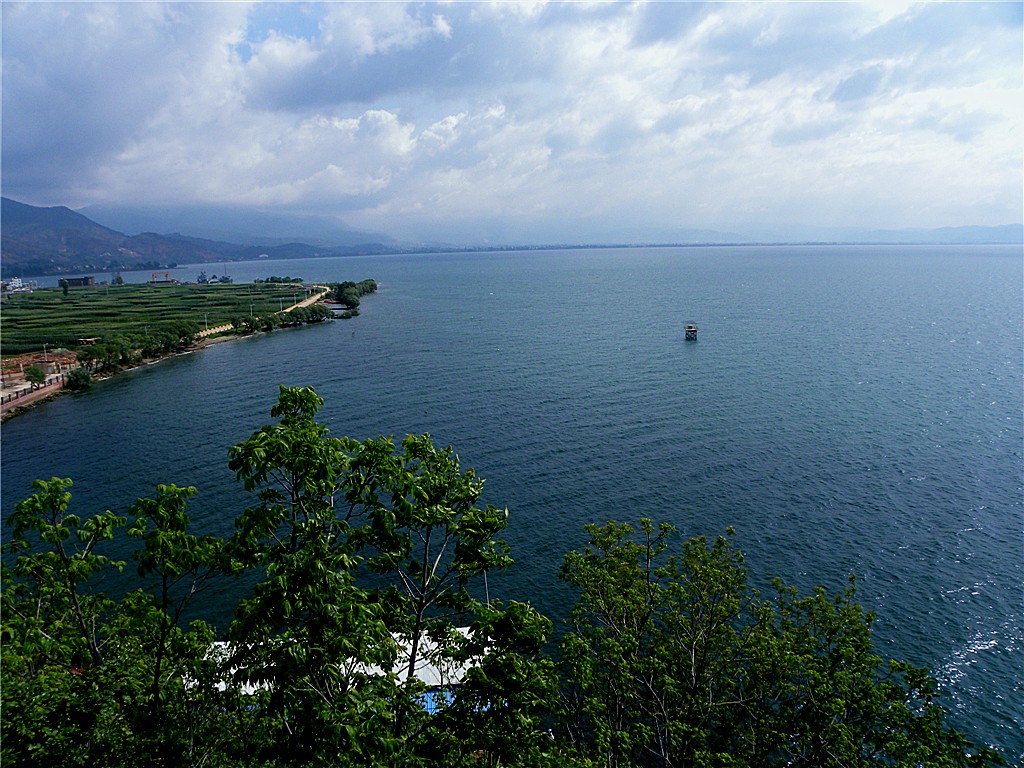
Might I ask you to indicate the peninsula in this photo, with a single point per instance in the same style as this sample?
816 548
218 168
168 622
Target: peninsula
62 337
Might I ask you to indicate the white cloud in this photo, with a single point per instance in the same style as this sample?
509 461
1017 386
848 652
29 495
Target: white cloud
466 118
277 54
367 29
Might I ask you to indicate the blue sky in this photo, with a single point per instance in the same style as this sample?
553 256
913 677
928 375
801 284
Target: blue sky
524 121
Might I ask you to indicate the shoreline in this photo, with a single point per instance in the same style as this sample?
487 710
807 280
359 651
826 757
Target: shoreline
32 398
49 392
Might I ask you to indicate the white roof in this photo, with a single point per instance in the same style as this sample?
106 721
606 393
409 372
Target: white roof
431 671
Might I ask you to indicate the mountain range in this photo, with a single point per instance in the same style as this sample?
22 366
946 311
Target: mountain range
58 240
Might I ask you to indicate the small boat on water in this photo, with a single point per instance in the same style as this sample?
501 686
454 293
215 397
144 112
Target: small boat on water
691 333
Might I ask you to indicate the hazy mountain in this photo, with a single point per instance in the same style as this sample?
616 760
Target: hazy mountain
1008 234
39 241
234 225
56 240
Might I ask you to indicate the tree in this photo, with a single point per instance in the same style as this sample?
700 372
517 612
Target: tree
92 681
79 379
316 313
182 564
53 647
425 534
364 561
605 660
296 316
682 663
369 552
308 632
348 293
35 376
87 356
110 354
178 566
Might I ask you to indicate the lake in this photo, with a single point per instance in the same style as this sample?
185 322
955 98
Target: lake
847 409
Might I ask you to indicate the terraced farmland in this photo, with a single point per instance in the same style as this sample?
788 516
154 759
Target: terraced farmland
47 316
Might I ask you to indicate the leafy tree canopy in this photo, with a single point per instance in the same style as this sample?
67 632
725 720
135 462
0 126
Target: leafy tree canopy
362 636
35 376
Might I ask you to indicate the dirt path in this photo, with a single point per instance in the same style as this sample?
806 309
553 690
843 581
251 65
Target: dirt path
322 291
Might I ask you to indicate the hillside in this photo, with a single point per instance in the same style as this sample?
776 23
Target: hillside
48 241
58 240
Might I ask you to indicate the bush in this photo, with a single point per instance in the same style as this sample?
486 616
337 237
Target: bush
78 380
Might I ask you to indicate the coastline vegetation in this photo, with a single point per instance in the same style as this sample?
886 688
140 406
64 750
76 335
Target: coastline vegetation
360 562
120 328
278 279
56 318
348 295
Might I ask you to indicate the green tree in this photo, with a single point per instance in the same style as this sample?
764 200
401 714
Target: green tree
365 561
181 564
840 703
56 703
426 537
349 293
316 313
110 354
92 681
606 660
308 633
79 379
674 660
297 316
176 675
369 553
35 376
87 356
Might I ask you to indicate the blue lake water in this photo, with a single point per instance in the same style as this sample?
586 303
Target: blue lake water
848 410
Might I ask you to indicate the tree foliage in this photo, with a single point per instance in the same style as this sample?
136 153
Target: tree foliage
369 551
79 379
35 376
673 660
363 635
114 352
349 293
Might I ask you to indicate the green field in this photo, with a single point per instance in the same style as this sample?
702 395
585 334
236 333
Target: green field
47 316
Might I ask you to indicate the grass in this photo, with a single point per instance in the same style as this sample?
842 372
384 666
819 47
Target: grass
47 316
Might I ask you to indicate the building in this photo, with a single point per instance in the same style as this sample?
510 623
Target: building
79 282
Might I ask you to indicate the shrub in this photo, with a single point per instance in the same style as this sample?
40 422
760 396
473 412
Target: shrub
78 380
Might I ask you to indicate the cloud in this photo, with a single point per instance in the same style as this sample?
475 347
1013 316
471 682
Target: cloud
81 82
476 118
861 84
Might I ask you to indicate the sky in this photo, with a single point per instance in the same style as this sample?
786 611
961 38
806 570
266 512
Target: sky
523 122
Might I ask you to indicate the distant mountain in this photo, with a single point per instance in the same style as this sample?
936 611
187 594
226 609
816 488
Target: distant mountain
57 240
1008 234
42 241
38 241
234 225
